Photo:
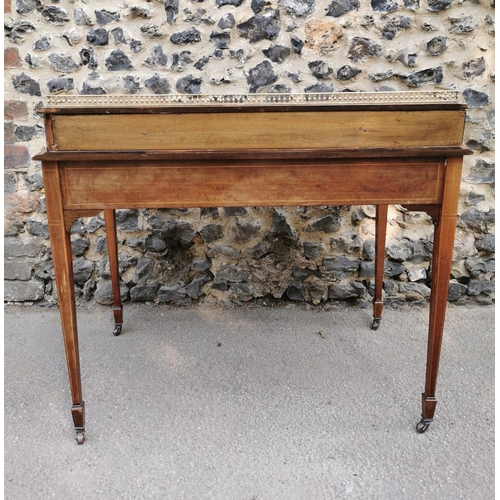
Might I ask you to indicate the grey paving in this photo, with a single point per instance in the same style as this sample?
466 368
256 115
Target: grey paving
249 403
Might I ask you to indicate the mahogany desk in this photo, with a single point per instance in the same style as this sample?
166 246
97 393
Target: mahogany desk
110 152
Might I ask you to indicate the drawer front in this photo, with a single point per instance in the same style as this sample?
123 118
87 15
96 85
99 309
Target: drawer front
163 184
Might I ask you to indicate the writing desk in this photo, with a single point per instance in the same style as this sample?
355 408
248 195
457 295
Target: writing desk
116 152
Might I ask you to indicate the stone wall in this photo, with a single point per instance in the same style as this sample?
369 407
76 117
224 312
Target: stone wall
241 254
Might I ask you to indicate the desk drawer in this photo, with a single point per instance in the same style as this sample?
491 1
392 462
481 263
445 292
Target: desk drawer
180 184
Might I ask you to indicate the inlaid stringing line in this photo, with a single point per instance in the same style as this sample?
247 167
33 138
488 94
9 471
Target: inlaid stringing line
333 98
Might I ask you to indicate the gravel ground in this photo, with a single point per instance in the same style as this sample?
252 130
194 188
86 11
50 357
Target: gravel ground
249 403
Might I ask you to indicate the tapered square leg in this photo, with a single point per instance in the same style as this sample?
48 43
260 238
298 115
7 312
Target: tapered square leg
380 237
442 253
63 270
110 221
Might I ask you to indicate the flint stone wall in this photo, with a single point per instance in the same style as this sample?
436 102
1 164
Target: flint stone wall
242 254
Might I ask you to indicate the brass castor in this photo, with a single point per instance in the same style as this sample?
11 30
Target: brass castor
117 330
80 437
422 426
376 323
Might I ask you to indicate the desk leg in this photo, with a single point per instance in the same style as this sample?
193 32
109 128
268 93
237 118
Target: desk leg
110 221
442 254
63 270
380 233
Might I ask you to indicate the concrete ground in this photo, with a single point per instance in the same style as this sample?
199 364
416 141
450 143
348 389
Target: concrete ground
249 403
